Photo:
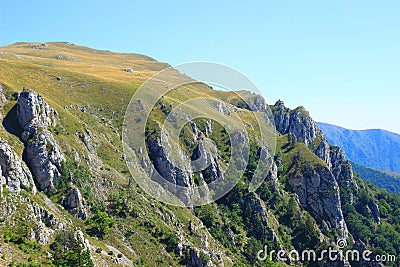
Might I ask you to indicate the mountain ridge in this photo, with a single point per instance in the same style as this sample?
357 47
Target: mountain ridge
381 179
82 206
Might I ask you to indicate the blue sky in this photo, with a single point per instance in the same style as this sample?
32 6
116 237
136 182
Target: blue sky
340 59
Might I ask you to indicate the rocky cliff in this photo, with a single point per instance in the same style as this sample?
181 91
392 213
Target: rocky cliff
324 181
68 197
297 122
42 153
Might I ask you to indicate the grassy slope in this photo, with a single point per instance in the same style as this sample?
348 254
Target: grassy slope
97 81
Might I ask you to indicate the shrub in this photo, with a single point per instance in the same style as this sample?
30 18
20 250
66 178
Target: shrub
69 251
100 223
171 240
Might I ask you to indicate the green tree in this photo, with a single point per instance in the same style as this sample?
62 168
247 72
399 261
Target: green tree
306 234
101 223
68 250
252 249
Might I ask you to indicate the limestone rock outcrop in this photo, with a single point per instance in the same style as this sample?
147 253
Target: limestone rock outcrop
14 173
42 153
318 189
170 168
203 159
74 203
33 113
297 121
319 193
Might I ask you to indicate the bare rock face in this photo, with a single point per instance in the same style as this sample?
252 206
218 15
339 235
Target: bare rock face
33 113
80 237
74 203
178 167
318 192
173 170
297 121
203 159
272 177
2 96
46 223
257 103
343 172
376 214
371 210
222 108
42 153
263 229
339 166
197 260
88 140
208 128
323 152
177 174
14 173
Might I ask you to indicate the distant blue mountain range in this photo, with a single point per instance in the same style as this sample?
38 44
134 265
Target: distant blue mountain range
374 154
377 149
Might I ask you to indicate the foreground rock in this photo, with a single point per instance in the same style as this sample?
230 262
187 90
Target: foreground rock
42 153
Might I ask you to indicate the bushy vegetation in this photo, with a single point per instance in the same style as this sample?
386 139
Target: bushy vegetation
20 235
382 236
234 223
387 181
68 251
73 172
100 222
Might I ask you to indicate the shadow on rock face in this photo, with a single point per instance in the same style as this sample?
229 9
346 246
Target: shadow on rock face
10 122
